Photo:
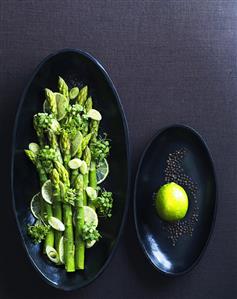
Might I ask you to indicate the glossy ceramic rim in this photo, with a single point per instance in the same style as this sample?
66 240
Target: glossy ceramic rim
197 260
126 133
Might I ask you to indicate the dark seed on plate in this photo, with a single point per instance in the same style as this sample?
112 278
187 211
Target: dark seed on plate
174 172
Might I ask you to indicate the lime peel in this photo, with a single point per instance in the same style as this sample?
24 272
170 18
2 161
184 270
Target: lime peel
75 143
89 244
52 254
62 104
102 171
94 114
91 192
75 163
34 147
83 167
73 93
47 192
35 205
61 250
90 216
56 224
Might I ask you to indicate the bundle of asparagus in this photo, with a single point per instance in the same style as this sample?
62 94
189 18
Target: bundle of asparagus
70 158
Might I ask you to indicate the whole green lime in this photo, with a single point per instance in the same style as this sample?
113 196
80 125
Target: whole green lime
171 202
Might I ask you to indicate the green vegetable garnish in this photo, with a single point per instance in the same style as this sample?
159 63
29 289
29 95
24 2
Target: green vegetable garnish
90 233
70 158
104 204
37 232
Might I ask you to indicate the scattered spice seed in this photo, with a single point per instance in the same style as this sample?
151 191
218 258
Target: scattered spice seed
174 172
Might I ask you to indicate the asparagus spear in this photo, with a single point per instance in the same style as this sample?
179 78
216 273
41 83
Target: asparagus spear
87 159
79 222
42 123
65 147
50 98
78 155
54 144
41 172
57 209
85 141
67 213
68 239
88 104
62 87
46 209
47 156
92 179
82 96
38 130
63 173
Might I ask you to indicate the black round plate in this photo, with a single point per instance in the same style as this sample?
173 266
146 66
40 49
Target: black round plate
76 67
197 163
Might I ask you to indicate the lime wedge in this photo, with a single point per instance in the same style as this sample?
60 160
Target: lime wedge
56 223
90 216
75 143
35 205
47 192
73 93
75 163
102 171
89 244
91 192
94 114
62 104
83 167
34 147
61 250
52 254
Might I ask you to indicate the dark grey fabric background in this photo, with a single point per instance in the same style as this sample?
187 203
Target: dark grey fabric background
172 62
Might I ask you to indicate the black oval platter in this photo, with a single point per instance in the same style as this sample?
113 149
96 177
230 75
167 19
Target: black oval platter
154 234
74 66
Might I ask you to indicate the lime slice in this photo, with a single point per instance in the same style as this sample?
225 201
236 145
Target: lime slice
89 244
61 250
47 192
34 147
56 223
46 107
75 163
102 171
62 104
91 192
94 114
75 143
90 216
52 254
73 93
35 205
83 167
